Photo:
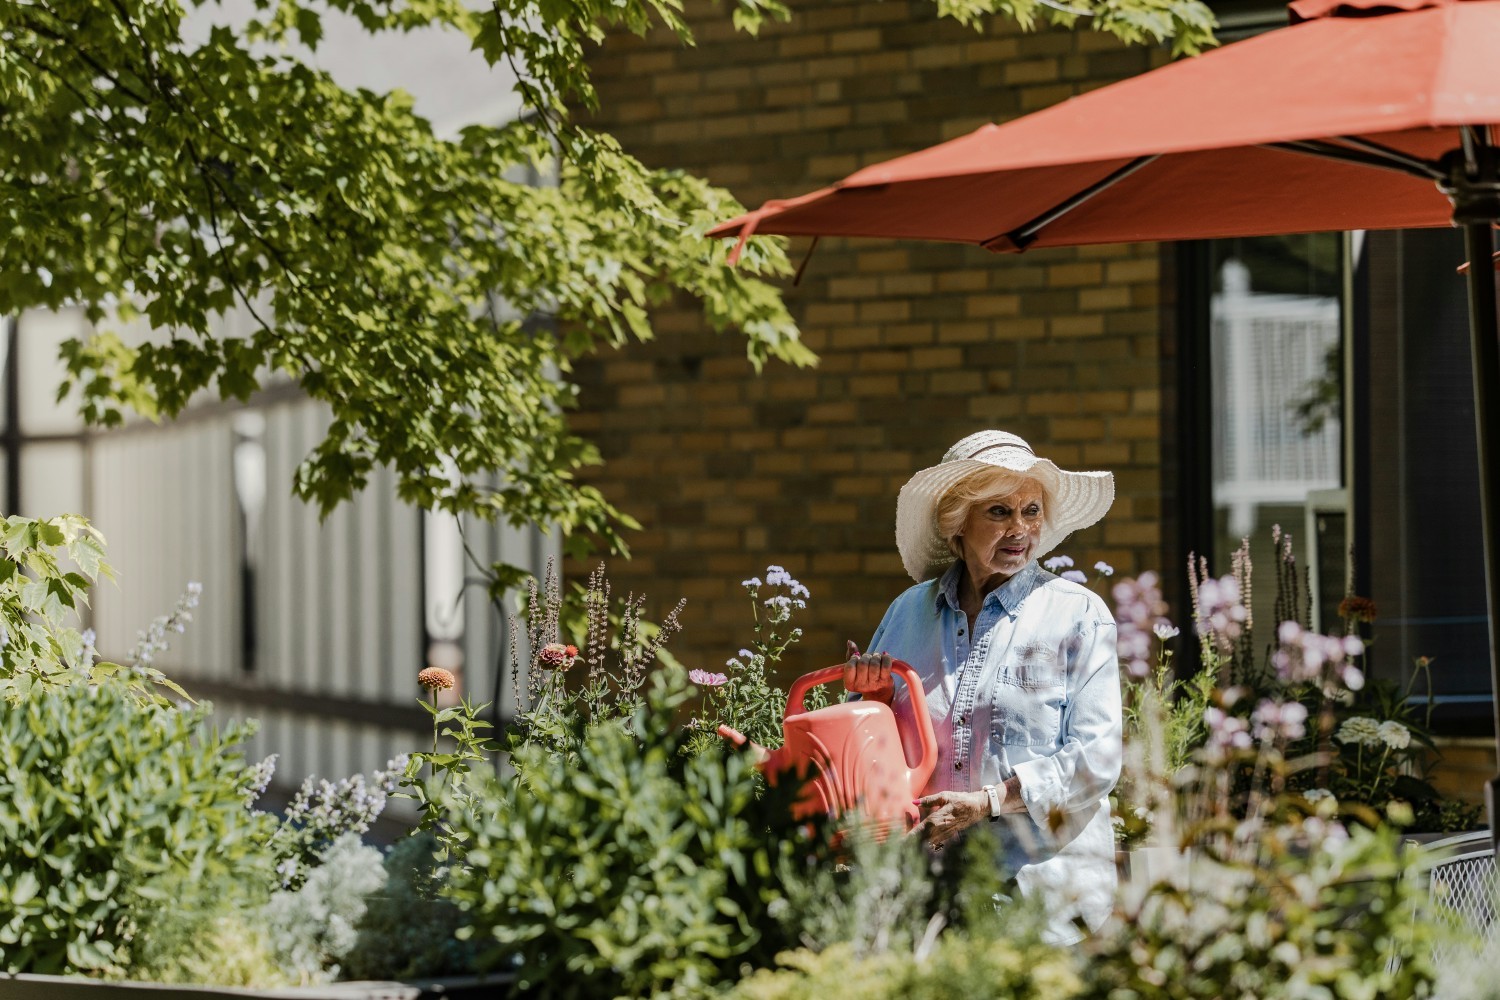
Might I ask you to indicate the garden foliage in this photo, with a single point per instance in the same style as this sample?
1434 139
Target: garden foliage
107 802
633 869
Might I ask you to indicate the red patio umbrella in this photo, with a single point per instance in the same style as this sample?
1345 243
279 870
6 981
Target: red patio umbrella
1363 114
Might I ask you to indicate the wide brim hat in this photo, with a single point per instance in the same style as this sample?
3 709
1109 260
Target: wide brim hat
1074 499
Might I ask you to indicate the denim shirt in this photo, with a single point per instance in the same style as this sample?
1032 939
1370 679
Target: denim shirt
1034 692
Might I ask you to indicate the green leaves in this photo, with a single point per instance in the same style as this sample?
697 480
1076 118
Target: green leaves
103 796
1187 24
418 285
630 869
433 292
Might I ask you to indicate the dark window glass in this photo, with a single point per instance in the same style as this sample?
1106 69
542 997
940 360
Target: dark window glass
1417 468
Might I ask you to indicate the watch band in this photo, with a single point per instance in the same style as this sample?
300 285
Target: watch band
994 795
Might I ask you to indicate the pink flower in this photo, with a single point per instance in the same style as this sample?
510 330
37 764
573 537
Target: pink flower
556 656
703 678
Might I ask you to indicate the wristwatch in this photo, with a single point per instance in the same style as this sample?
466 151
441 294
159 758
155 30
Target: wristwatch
993 791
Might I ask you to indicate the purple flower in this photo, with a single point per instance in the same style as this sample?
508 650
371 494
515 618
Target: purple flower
703 678
1138 607
1220 613
1103 568
1058 562
1304 657
1279 720
1225 732
1074 576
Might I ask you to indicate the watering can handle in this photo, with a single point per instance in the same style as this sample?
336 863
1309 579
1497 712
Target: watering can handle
900 668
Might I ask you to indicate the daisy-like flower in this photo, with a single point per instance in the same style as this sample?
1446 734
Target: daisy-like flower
1165 630
1359 729
703 678
1394 735
556 656
436 679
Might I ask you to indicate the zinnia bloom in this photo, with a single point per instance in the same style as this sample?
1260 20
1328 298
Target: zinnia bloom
556 656
1394 735
436 679
1357 609
1359 729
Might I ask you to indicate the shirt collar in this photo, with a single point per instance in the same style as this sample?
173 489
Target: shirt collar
1008 595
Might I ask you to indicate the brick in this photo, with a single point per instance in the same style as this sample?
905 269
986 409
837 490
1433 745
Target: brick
1031 71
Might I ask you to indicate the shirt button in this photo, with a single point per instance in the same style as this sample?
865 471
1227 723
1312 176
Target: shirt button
960 631
958 765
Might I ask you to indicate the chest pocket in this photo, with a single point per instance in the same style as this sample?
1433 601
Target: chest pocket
1029 694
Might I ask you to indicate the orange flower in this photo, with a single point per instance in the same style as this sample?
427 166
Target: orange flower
436 679
1357 609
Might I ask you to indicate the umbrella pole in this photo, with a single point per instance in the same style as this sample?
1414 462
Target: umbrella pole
1484 331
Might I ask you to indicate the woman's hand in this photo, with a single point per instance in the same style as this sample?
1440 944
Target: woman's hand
947 814
869 674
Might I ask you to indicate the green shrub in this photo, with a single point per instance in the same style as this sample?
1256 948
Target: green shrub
632 869
105 800
957 965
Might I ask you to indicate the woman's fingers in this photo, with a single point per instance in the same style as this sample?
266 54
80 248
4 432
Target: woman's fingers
867 673
945 815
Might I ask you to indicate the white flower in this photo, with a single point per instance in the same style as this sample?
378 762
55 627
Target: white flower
1058 562
1074 576
1103 568
1394 735
1359 729
1317 794
1165 630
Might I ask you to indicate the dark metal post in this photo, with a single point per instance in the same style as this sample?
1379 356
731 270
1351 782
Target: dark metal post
1484 330
11 434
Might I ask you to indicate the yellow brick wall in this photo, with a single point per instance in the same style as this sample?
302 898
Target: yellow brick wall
920 343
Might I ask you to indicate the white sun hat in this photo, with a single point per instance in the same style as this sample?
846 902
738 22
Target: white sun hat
1074 499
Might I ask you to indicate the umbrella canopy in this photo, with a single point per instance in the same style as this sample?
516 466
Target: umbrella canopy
1363 114
1274 134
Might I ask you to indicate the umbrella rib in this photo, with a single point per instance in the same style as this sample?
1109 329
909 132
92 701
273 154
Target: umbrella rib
1024 235
1365 153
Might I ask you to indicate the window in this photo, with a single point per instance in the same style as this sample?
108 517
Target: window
1324 387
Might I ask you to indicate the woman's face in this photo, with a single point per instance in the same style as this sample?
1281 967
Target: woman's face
1001 533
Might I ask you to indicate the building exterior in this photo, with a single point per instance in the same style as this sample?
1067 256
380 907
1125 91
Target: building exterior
1230 385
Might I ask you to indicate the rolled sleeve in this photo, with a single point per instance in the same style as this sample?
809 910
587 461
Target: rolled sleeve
1087 764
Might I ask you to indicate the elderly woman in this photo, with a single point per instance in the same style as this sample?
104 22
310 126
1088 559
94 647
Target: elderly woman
1019 668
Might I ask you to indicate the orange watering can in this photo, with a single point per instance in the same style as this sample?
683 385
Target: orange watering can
853 751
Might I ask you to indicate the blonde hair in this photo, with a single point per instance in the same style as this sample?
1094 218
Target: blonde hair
953 507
